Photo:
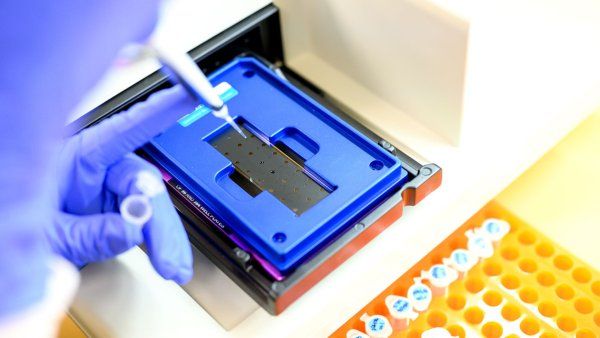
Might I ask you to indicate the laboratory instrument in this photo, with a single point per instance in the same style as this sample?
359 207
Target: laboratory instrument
272 263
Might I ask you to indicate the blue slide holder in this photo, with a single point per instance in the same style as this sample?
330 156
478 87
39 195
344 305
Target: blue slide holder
286 215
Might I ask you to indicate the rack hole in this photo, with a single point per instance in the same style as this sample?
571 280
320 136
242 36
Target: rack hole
527 237
563 262
528 295
529 326
436 319
566 323
511 312
528 265
492 268
510 253
492 330
547 309
596 288
457 331
474 284
413 334
456 302
546 278
585 333
474 315
544 250
584 306
565 292
510 282
582 275
492 298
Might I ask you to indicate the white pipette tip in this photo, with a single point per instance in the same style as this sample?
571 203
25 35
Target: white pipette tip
235 126
223 113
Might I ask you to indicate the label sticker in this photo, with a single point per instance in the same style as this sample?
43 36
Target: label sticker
496 228
492 227
376 324
420 296
401 305
420 293
225 91
462 260
439 272
461 257
441 275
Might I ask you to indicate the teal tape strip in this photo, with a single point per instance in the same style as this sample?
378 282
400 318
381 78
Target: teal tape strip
225 91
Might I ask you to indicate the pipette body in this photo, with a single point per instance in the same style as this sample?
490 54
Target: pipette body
182 69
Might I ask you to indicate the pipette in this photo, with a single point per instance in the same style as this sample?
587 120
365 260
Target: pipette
182 69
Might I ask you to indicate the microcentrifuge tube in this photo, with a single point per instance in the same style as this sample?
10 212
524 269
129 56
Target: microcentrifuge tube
479 244
461 260
376 326
356 334
440 277
136 209
419 295
401 311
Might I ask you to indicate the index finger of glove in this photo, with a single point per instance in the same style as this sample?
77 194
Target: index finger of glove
123 133
165 237
122 176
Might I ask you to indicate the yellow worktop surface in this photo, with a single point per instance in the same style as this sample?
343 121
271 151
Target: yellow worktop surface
560 194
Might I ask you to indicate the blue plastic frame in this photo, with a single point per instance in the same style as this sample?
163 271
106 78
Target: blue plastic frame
362 173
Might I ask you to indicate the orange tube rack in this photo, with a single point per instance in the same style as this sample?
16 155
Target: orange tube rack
529 287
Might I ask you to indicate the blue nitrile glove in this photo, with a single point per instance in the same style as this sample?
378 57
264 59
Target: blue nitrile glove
52 53
97 170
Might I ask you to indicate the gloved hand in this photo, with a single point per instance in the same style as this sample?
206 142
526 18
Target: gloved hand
97 170
52 53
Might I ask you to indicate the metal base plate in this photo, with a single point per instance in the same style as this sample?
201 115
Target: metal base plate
260 166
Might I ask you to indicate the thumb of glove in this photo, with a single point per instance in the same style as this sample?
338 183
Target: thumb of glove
91 238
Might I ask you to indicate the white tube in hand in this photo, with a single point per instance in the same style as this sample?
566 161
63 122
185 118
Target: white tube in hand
136 209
